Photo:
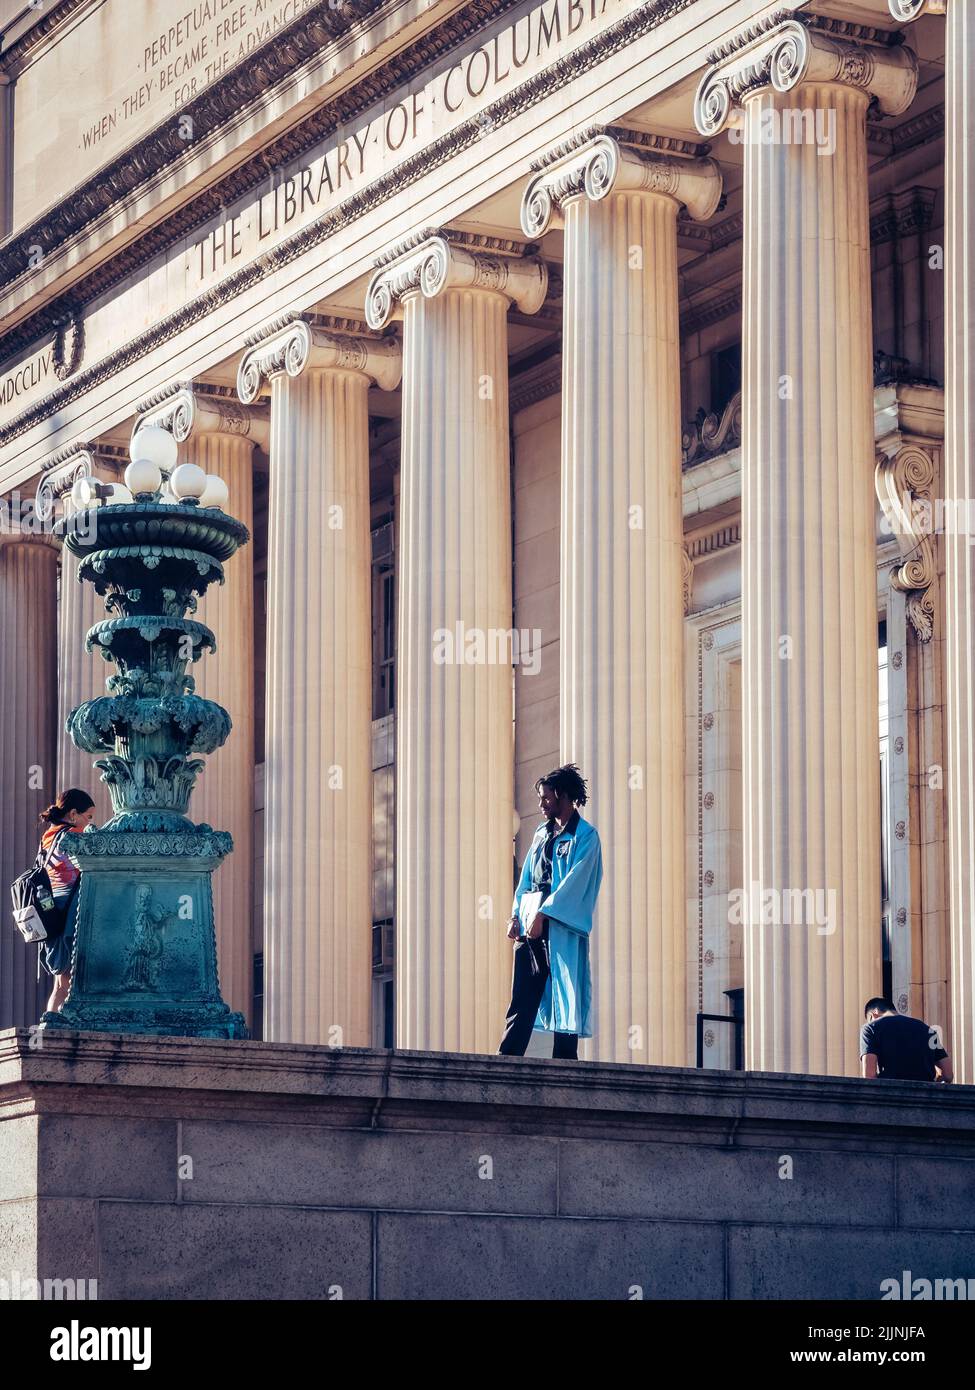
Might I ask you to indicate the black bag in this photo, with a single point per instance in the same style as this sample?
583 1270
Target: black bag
36 914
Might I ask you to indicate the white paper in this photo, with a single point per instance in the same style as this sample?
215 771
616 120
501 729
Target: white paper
528 909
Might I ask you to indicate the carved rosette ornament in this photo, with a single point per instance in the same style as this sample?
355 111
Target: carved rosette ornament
905 486
601 165
435 264
292 345
788 54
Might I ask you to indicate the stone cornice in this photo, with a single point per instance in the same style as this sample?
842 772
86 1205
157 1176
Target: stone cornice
553 78
801 49
712 237
902 214
177 1076
536 385
292 346
22 50
470 241
600 165
710 310
916 130
636 139
188 409
434 263
710 539
216 107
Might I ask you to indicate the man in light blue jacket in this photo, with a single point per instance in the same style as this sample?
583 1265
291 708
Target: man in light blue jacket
551 986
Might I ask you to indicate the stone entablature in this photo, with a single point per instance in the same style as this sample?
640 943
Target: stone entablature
118 337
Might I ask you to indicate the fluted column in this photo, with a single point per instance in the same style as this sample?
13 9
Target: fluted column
454 733
810 697
28 710
219 435
959 541
622 562
318 765
81 674
959 490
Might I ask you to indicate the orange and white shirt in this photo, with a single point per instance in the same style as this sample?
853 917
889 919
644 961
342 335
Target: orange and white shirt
60 870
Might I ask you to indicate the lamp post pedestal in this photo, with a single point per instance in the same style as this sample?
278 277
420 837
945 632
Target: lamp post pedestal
144 957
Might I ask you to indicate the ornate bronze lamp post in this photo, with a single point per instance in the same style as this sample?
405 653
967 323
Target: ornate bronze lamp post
144 958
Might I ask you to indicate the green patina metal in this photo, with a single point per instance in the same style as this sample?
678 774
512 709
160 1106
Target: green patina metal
144 958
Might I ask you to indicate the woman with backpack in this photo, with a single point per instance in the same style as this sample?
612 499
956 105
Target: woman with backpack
73 811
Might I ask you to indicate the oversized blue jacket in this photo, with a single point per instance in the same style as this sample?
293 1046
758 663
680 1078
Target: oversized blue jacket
577 871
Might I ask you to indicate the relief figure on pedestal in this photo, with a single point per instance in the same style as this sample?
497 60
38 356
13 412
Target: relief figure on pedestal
142 966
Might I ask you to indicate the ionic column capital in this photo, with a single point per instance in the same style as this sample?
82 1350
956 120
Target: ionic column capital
293 345
433 264
186 409
599 165
61 471
906 10
792 53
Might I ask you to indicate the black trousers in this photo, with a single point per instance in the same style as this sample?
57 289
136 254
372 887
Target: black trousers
527 988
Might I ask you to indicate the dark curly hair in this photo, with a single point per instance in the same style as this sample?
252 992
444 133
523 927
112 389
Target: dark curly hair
567 781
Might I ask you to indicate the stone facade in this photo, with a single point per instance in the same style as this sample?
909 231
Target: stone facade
620 325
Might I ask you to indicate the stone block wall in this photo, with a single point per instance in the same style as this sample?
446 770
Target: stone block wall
171 1168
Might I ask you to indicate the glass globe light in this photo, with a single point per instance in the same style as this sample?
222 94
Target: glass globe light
143 476
153 444
85 492
216 493
188 481
117 493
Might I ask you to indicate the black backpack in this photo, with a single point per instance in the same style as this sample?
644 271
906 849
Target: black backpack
36 915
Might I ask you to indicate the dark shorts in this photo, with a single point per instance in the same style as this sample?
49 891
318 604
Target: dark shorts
56 953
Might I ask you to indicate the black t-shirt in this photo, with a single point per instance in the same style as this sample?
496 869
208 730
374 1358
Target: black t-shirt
906 1049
